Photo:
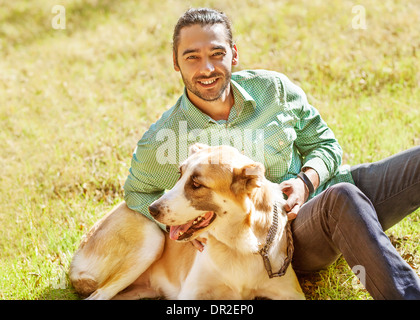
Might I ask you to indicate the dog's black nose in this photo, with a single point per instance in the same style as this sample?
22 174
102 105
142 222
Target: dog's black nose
154 210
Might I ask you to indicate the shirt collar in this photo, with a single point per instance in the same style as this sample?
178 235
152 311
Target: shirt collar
197 119
242 95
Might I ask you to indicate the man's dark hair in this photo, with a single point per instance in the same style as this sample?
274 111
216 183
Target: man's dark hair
203 17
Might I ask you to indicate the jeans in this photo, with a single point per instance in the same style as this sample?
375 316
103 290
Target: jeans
350 220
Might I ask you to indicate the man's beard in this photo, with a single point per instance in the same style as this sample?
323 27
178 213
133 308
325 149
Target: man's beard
207 96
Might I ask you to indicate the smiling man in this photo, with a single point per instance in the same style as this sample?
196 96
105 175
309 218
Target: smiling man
336 210
205 59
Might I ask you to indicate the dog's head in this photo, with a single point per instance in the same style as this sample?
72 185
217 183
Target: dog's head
215 183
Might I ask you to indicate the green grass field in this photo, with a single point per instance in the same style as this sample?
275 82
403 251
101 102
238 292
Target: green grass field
74 103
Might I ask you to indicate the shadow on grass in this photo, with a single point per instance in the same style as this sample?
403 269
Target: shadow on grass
60 294
52 293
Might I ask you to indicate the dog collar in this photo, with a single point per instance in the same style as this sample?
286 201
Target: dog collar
270 237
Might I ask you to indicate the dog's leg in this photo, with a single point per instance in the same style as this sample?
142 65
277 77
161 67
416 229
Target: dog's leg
118 249
203 283
133 266
213 291
283 288
281 293
141 288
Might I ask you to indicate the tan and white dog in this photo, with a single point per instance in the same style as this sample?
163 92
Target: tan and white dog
221 196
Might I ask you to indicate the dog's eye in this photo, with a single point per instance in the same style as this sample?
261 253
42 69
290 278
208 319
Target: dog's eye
196 185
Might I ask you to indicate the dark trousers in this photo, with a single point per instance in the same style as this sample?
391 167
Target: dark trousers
350 220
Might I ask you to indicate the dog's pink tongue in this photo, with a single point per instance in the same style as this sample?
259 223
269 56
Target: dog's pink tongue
176 230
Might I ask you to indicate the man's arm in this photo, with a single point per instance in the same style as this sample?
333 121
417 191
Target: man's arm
321 154
147 179
316 142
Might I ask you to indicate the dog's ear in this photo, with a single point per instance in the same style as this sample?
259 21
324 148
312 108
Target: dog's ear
197 147
247 178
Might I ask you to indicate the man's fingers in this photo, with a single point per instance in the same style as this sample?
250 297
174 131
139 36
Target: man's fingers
291 202
284 185
292 214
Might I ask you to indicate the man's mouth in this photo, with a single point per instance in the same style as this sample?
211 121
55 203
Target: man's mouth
207 83
185 231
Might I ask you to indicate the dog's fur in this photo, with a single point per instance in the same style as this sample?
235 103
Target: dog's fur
127 256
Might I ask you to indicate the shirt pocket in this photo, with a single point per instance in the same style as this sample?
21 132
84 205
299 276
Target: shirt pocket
278 150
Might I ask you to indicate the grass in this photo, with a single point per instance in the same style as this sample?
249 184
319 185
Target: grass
74 102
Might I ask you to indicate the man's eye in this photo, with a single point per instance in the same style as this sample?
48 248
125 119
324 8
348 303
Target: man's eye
192 57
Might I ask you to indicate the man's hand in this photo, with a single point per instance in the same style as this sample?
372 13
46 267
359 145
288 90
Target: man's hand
297 192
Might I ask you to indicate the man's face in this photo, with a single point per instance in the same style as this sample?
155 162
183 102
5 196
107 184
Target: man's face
205 60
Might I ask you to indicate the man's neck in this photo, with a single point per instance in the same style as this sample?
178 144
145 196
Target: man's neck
218 109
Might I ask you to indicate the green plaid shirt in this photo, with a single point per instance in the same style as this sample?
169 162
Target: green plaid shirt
271 122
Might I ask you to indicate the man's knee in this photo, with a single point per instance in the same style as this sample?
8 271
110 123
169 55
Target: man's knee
347 203
344 189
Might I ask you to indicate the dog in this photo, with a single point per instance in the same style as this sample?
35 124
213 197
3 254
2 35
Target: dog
223 199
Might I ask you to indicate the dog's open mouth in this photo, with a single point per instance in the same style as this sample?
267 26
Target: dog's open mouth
185 231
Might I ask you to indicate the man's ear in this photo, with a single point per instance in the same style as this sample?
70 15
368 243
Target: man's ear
247 178
197 147
176 67
235 56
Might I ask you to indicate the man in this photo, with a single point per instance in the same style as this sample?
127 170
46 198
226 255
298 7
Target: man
336 210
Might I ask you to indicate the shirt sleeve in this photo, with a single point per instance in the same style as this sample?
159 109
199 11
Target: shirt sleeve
315 141
148 177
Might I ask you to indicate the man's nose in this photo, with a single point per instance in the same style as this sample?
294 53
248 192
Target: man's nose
207 67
